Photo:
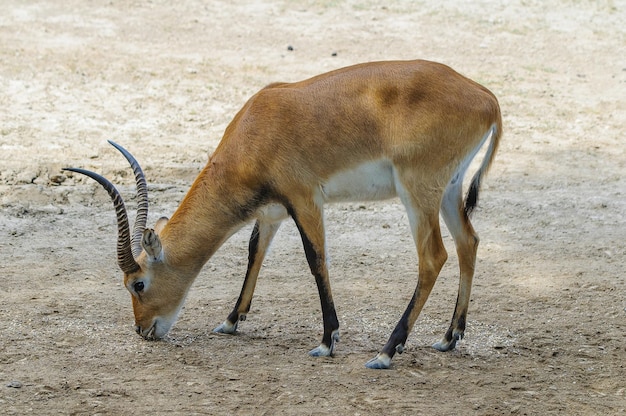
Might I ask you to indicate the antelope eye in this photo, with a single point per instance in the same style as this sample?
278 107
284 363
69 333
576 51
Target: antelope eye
138 286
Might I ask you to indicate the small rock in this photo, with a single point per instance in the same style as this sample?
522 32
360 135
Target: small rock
15 385
57 179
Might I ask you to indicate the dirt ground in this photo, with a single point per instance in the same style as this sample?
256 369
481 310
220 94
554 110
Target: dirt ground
547 319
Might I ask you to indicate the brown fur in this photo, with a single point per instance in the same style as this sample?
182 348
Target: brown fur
290 138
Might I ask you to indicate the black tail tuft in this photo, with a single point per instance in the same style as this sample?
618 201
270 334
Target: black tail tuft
471 199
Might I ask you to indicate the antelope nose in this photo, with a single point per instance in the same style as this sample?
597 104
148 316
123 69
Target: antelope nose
138 329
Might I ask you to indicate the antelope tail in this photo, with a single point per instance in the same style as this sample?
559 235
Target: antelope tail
471 198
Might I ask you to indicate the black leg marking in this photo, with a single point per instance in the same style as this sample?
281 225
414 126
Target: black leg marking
318 268
400 333
262 234
315 256
253 248
454 333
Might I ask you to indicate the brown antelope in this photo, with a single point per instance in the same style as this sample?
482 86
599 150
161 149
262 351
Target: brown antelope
366 132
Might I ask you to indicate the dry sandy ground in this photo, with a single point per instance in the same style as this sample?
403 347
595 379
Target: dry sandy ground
547 319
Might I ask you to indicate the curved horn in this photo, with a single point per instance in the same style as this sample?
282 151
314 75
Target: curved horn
125 258
142 200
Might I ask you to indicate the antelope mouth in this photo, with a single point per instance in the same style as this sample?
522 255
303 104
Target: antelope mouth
148 334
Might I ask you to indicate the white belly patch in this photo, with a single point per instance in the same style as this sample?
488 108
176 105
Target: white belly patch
367 182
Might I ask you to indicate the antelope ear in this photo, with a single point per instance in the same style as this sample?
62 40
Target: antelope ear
151 242
160 224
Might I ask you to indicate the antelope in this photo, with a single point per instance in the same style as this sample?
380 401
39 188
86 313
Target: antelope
367 132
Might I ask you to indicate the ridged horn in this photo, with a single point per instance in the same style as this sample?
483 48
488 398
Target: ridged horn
128 247
142 200
125 258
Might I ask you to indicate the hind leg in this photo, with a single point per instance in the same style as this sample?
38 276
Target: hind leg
432 256
424 221
466 241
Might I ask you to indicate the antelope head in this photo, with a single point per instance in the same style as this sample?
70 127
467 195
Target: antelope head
156 290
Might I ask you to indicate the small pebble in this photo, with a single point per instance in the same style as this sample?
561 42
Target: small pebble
15 385
57 179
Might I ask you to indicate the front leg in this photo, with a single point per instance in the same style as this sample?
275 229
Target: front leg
310 223
261 237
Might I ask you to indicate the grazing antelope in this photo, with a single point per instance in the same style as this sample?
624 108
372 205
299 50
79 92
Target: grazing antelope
366 132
